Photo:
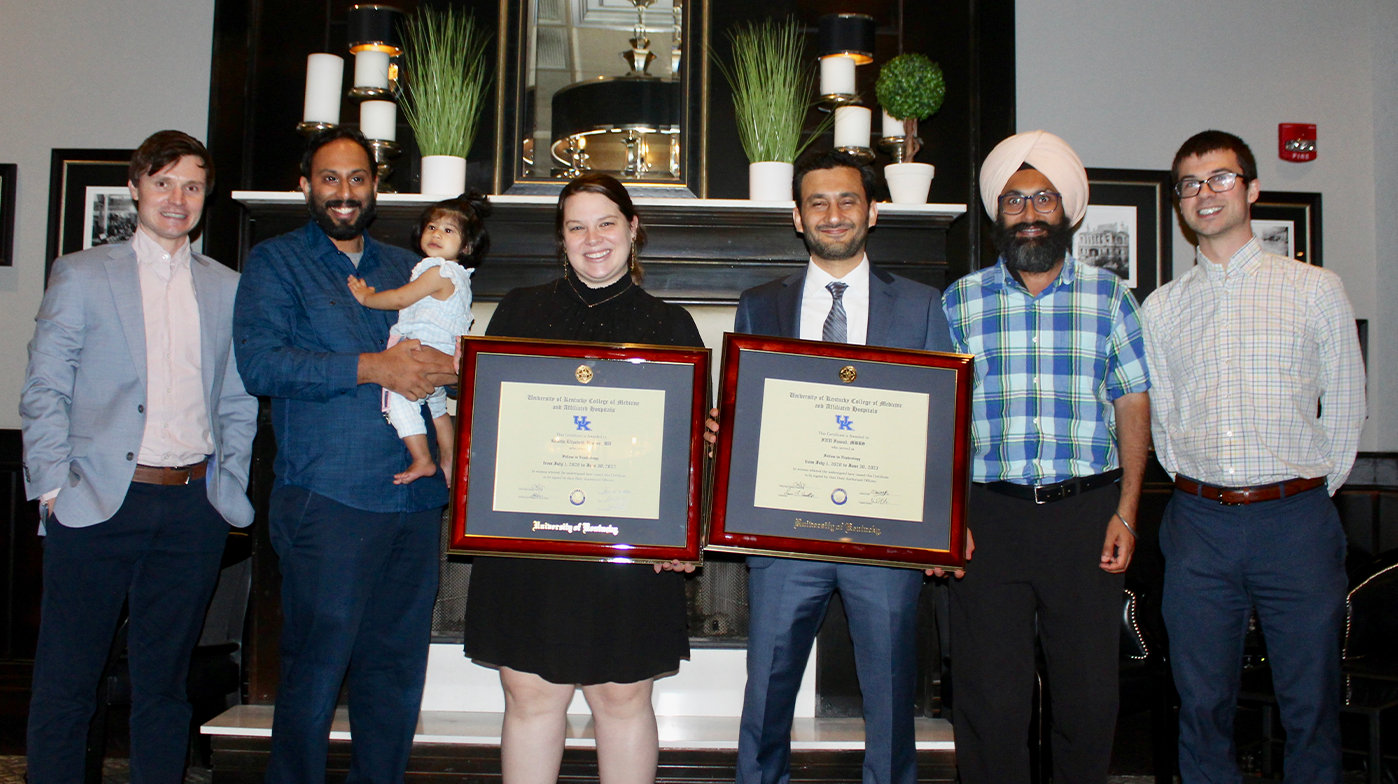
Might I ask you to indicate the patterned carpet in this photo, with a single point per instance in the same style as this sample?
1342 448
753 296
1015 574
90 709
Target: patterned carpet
114 771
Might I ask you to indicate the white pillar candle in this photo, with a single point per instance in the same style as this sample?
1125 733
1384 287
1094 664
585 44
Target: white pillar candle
379 120
852 126
891 127
837 75
324 75
371 69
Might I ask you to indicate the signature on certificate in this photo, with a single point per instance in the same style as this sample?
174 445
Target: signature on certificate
795 490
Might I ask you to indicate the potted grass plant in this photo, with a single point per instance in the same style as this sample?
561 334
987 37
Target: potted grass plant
910 88
773 86
444 93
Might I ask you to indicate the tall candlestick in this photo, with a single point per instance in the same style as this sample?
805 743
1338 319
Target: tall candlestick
852 125
837 75
379 120
324 75
371 68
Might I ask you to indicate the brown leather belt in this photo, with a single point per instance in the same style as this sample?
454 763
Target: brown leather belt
183 475
1233 496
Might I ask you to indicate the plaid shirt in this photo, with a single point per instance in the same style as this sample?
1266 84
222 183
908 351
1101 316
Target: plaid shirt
1047 370
1241 355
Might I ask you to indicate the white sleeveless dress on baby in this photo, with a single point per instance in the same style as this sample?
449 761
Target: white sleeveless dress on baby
439 324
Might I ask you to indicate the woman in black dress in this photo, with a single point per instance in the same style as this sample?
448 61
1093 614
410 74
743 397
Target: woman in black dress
551 625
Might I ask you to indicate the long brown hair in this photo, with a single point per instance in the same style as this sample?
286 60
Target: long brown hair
605 185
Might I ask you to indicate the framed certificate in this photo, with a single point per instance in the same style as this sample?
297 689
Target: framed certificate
846 453
579 451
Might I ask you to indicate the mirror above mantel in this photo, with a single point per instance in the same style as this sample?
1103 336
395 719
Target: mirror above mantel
601 85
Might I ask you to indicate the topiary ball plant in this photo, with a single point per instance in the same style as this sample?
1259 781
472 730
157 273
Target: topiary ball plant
910 88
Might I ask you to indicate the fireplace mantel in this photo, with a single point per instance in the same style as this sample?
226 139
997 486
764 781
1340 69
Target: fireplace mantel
699 250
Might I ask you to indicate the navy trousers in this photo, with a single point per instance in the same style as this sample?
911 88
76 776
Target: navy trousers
1036 575
1286 558
357 595
160 553
788 598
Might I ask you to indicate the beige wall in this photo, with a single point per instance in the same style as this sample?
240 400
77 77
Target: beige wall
1127 83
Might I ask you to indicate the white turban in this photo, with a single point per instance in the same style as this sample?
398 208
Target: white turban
1051 156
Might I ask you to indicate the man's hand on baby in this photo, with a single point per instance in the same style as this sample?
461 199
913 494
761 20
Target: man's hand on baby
359 288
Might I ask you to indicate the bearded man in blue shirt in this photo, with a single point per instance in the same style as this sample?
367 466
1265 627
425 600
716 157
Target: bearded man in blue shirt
358 554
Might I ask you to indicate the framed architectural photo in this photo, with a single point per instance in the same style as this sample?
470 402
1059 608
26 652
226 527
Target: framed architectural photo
842 453
82 212
1128 228
1288 224
8 173
579 451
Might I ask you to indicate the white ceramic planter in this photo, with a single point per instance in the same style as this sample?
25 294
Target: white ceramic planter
908 183
769 181
443 175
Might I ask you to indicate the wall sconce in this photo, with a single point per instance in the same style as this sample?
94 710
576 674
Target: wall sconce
845 41
374 42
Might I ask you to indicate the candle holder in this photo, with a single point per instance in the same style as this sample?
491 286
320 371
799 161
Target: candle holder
893 145
309 129
383 151
861 154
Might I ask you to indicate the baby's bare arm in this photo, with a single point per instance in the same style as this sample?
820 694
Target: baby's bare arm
399 298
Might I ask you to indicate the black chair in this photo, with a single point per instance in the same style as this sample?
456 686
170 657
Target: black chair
215 679
1145 684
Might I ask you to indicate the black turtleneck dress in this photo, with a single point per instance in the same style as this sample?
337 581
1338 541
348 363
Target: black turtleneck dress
578 621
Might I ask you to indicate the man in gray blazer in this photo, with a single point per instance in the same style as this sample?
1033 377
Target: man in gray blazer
137 440
842 298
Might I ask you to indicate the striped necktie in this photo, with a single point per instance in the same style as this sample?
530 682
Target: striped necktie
836 328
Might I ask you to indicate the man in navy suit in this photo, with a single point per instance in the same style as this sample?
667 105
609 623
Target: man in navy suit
137 440
842 298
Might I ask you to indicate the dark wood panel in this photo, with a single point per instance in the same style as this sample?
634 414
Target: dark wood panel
242 760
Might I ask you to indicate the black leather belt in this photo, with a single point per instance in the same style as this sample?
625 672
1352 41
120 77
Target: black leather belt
1045 494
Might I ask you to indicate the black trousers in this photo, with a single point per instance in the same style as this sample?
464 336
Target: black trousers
1036 573
159 553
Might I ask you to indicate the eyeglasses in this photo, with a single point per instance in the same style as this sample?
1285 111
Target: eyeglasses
1218 183
1044 202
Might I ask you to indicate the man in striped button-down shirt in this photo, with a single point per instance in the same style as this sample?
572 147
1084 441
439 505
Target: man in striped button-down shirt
1060 425
1241 349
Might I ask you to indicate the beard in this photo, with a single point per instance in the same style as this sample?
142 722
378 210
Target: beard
837 251
1036 254
337 230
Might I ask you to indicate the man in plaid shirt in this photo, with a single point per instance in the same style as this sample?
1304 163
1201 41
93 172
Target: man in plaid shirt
1243 348
1060 427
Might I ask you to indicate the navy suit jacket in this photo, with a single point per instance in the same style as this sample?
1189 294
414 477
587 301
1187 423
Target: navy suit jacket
902 313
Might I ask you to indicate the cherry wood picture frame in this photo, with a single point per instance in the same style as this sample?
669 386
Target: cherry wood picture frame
736 524
478 528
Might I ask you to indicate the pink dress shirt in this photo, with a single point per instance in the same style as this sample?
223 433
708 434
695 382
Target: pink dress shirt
177 418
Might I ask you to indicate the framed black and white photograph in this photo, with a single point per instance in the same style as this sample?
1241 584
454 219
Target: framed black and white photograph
75 215
8 173
1288 224
110 215
1127 228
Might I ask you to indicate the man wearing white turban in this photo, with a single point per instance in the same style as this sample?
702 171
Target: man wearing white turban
1060 425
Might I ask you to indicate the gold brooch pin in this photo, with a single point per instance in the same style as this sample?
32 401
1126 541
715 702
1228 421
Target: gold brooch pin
583 373
848 374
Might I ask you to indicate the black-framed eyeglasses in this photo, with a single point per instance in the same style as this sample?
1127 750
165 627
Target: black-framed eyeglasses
1044 202
1218 183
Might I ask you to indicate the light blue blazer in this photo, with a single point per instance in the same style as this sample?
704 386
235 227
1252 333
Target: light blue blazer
83 406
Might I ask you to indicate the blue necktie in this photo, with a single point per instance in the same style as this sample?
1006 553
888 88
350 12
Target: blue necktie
836 328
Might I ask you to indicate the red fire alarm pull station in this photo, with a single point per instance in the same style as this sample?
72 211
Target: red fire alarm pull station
1296 142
